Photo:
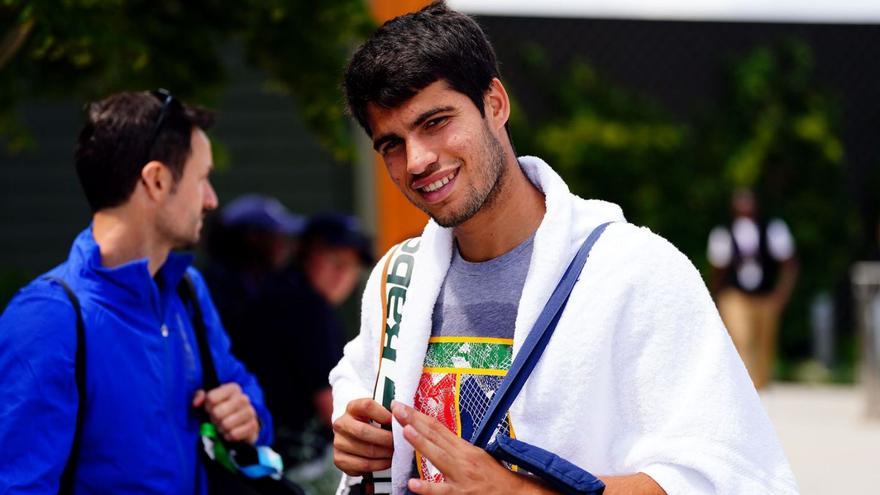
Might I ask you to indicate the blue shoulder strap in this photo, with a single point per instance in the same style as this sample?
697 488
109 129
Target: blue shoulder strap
534 345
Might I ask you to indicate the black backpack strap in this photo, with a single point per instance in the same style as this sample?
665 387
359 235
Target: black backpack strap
66 485
187 292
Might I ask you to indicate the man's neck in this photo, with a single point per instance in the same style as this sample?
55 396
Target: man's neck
122 238
513 217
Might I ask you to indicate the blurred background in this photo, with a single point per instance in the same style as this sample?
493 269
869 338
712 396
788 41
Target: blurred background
664 107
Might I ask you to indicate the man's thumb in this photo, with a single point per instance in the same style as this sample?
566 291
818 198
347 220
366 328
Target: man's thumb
199 398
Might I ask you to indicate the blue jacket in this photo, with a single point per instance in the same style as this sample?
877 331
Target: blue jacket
140 433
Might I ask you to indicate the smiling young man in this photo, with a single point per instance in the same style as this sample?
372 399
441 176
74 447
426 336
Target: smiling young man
143 160
610 393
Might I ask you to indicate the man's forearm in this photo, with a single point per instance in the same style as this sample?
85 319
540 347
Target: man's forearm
785 286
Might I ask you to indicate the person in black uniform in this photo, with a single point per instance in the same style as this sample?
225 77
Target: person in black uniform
754 272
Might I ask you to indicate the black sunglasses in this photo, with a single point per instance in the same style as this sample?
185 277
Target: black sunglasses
167 100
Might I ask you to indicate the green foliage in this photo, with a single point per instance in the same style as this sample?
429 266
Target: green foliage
87 49
774 130
777 132
610 143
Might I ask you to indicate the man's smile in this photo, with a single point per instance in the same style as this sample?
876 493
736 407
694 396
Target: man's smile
437 186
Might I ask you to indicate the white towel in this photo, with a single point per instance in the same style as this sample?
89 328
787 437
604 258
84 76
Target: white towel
640 375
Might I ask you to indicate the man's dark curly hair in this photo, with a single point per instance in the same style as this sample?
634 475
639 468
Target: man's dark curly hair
412 51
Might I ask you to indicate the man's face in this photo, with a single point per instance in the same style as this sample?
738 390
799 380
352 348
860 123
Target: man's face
180 218
333 272
441 153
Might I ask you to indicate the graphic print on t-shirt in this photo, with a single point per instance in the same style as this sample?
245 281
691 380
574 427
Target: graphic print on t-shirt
459 378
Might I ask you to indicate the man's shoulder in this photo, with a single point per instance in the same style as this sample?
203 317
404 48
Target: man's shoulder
630 239
637 253
44 291
40 316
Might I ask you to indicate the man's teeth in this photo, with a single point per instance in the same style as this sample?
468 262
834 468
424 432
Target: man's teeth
437 185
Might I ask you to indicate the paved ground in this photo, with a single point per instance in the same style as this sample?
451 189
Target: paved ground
831 446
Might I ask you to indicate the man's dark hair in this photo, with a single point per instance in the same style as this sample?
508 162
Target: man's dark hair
112 147
412 51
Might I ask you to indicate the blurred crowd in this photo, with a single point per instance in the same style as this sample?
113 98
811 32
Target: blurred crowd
278 279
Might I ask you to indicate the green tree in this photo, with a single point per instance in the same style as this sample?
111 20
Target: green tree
88 48
774 129
610 143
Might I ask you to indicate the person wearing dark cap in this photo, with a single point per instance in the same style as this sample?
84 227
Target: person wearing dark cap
294 337
250 240
334 249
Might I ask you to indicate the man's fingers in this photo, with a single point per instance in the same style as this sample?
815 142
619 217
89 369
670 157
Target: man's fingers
230 406
199 398
360 448
220 394
440 457
248 432
231 411
356 466
235 419
366 432
422 487
427 427
369 410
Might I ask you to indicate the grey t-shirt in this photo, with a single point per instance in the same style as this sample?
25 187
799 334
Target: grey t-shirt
481 299
471 343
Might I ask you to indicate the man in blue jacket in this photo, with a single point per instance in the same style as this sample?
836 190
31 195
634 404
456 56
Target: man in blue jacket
143 160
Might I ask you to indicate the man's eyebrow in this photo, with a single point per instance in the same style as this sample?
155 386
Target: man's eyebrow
427 114
383 139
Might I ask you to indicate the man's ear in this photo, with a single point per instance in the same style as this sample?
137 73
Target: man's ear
496 104
157 180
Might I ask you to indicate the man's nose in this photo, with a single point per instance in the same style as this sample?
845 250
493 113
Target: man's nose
211 199
418 156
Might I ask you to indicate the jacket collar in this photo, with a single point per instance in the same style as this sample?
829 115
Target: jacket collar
129 283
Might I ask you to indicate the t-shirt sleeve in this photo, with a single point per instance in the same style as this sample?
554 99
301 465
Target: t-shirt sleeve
780 242
720 248
38 394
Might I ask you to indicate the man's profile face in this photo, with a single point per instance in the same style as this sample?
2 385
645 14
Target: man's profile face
180 218
440 152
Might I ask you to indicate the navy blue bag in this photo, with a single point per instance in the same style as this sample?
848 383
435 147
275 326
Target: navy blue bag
558 473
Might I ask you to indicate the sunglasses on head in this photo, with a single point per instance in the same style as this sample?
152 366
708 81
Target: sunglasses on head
167 100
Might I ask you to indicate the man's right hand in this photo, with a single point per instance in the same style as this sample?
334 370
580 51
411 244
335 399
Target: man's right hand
359 446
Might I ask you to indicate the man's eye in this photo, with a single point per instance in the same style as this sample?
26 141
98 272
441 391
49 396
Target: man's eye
389 147
435 122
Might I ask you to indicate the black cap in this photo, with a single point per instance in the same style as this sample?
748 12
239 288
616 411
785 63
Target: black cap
340 230
253 211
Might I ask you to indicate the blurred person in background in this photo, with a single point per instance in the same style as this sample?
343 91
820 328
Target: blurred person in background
754 269
251 240
143 160
294 337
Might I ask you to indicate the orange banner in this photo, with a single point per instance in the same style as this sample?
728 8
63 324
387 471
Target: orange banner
396 218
